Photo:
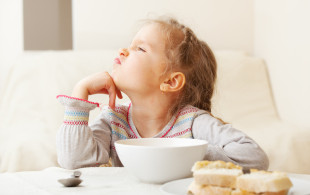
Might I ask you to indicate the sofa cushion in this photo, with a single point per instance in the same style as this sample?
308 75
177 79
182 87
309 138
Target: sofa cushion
243 90
30 115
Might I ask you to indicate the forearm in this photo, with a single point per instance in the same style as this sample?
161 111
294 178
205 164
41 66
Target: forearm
247 155
77 148
77 144
229 144
80 91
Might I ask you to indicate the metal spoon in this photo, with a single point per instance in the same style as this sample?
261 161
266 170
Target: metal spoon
73 181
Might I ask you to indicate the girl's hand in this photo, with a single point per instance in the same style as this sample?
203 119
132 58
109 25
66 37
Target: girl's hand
99 83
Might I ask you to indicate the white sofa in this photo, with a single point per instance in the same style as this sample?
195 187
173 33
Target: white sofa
30 115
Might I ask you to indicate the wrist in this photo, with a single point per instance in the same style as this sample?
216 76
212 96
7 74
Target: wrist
80 91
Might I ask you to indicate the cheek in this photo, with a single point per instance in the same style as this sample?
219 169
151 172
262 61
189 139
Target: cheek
136 66
140 68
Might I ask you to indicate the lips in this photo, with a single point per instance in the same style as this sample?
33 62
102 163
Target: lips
117 61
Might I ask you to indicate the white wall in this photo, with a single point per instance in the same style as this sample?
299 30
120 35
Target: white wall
224 24
282 38
276 30
11 33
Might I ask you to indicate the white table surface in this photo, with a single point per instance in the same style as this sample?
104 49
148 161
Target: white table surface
96 180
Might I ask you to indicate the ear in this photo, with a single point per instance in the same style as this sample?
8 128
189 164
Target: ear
173 83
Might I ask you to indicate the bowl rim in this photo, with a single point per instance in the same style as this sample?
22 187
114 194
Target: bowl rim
200 143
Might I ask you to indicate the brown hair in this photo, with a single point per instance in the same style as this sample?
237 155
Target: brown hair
193 57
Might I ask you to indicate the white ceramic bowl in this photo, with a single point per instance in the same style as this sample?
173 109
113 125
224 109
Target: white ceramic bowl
159 160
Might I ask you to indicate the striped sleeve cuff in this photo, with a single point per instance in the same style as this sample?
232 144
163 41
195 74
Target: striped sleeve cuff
76 116
76 110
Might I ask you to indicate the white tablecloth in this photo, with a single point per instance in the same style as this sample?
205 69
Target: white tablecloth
96 180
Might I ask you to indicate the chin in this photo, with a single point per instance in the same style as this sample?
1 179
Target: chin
116 78
119 85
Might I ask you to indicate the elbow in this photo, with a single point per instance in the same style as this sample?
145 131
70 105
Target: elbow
68 160
74 161
68 163
260 162
264 165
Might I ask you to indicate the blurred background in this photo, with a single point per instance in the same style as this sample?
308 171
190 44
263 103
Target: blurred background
262 48
275 30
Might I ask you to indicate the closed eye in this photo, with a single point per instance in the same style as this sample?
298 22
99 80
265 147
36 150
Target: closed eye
141 49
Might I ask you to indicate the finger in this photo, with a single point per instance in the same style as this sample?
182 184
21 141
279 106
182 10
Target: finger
112 95
119 94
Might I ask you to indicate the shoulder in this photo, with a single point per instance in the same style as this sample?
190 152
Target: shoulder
119 113
204 119
205 125
120 109
112 118
200 115
197 115
191 110
189 114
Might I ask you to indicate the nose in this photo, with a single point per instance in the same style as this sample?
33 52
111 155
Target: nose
123 52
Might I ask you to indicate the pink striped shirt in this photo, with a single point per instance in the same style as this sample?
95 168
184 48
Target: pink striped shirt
80 145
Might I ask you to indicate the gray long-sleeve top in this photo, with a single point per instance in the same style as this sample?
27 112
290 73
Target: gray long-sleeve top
80 145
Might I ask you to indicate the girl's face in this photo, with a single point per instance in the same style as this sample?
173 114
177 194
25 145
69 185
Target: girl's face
139 68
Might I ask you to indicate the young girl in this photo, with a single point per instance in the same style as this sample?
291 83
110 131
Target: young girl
169 76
